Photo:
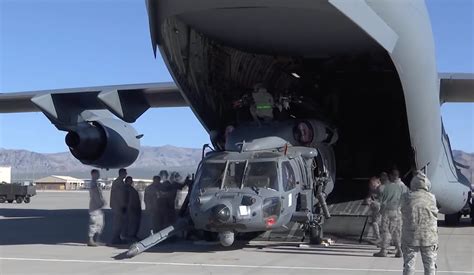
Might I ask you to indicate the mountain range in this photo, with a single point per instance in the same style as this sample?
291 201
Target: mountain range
28 165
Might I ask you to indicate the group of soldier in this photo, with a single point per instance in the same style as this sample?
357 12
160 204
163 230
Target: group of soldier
405 218
125 202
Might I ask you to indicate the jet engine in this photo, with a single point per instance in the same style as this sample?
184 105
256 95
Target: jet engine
104 143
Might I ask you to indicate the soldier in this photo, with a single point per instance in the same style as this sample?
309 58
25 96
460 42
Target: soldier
420 228
166 202
118 203
391 215
151 197
374 207
262 107
96 216
384 178
172 186
134 210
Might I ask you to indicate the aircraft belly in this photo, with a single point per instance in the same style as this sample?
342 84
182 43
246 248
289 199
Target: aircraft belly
450 195
215 60
315 28
282 27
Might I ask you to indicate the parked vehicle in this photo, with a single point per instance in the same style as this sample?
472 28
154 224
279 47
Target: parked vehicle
16 192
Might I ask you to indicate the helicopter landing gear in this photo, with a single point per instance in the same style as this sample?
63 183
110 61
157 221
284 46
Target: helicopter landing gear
315 233
321 212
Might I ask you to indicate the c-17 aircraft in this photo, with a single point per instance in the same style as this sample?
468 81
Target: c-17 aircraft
288 91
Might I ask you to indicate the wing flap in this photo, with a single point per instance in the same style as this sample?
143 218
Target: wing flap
125 101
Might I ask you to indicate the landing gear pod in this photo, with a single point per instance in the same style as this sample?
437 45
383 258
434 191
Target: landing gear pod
104 143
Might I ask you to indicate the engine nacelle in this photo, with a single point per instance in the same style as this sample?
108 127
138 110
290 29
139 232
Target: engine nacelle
104 143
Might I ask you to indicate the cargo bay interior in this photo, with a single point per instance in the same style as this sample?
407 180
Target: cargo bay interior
352 87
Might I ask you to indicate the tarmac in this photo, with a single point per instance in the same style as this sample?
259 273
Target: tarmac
48 236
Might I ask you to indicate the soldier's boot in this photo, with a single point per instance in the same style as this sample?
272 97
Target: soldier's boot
381 253
91 242
398 248
97 240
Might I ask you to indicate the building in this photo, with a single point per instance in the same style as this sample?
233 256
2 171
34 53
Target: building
54 182
5 174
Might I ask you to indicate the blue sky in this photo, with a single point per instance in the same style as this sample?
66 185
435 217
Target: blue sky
48 44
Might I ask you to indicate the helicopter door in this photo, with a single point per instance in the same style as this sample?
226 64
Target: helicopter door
289 178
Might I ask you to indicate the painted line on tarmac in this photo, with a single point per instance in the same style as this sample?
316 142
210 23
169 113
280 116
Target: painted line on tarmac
219 265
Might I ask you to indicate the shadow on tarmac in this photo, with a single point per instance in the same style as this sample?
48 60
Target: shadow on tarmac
36 226
70 227
464 222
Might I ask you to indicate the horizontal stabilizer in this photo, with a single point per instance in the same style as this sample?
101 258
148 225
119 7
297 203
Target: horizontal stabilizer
456 88
460 165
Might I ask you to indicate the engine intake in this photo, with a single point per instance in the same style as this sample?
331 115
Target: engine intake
105 143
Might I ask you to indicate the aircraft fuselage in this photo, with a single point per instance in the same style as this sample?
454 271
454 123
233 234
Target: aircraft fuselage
367 68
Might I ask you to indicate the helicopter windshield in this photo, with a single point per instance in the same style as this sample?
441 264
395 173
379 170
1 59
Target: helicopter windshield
212 174
238 174
261 174
234 174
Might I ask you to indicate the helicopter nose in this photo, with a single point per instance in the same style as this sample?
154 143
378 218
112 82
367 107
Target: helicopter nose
221 213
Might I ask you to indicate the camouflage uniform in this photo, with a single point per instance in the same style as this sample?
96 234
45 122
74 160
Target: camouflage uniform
134 212
151 198
391 217
374 216
118 203
391 226
420 229
96 216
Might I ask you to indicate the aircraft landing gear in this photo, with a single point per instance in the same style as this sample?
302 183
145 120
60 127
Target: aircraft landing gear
452 219
321 212
471 215
455 219
471 206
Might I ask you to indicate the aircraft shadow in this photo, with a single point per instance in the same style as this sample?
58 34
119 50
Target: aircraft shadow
464 222
38 226
34 226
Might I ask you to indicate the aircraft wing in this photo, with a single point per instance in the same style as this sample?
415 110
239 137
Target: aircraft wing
456 87
125 101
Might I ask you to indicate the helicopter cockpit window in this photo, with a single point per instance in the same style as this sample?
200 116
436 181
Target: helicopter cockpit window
262 174
234 174
288 175
211 175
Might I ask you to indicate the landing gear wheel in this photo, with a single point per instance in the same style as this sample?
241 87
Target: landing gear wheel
27 200
316 235
3 199
471 215
19 199
452 219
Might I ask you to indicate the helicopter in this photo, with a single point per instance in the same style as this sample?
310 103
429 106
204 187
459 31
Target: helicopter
260 182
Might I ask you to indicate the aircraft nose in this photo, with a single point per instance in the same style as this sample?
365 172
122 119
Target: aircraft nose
221 213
